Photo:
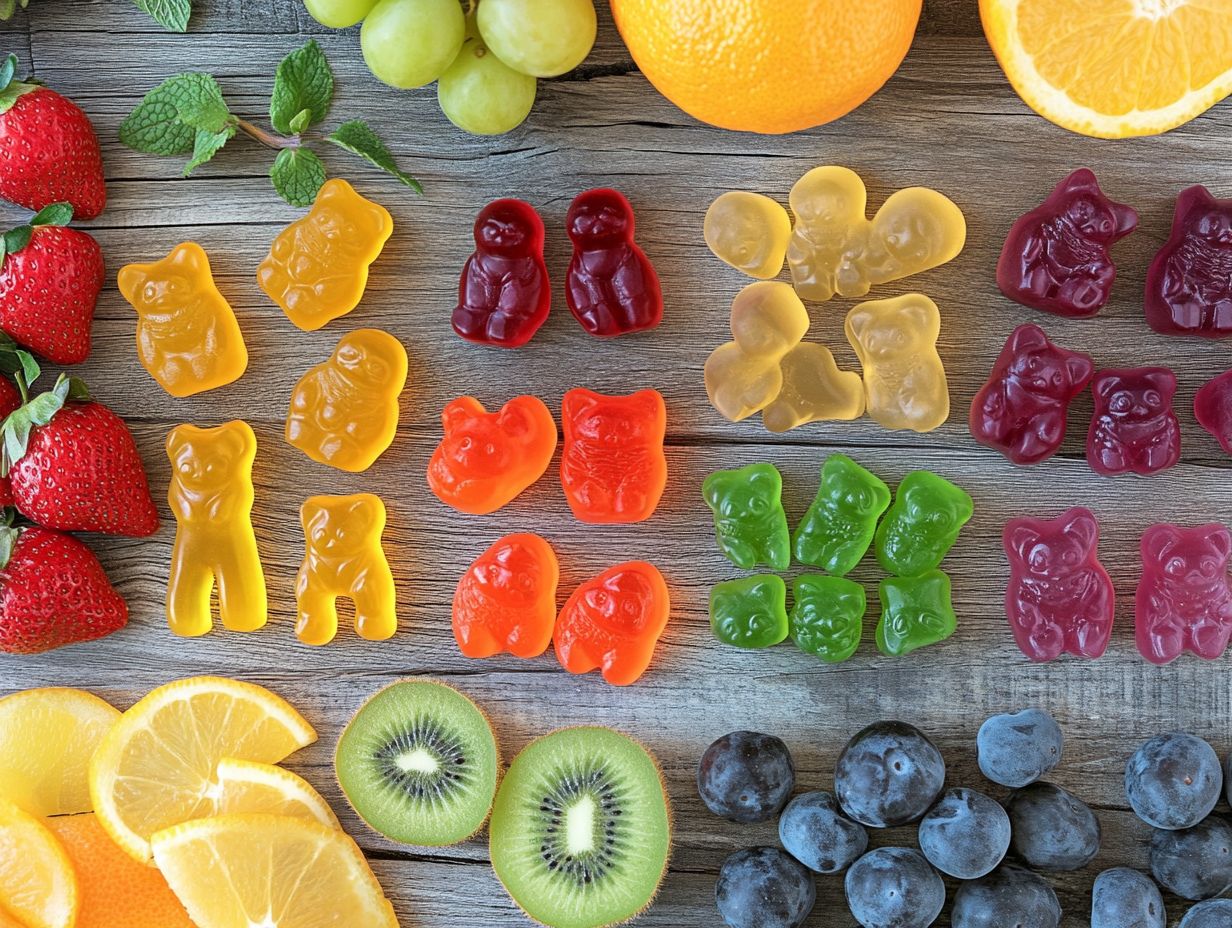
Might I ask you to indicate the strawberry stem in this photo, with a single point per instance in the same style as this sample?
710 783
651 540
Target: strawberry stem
267 138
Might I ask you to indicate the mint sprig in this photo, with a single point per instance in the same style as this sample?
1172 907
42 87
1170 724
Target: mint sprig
187 114
170 14
9 7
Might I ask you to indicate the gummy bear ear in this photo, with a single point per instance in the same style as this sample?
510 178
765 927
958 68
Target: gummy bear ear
1221 541
187 257
458 411
1192 200
515 421
1162 380
578 402
1083 527
920 315
1028 336
1079 367
1083 180
765 483
1019 538
1126 218
1158 541
1104 386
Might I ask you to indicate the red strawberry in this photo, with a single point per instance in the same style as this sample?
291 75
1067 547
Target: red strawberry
53 592
10 399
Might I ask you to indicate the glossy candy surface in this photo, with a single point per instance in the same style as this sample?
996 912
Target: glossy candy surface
1133 428
1184 602
749 231
749 521
837 530
751 612
1213 409
915 612
923 524
506 600
827 616
814 390
1189 283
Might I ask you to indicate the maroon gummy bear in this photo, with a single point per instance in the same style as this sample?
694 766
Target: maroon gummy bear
1133 428
1056 256
1184 602
1189 284
504 295
1021 409
1060 598
612 288
1213 409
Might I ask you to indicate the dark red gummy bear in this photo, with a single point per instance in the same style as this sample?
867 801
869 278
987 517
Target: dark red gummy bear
1060 599
1189 284
1056 256
612 288
1213 409
504 295
1133 428
1021 410
1184 602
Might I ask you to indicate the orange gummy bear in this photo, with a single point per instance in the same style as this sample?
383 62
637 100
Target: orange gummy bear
506 600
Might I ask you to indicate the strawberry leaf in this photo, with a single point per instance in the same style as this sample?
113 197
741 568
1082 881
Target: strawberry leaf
8 539
170 14
53 214
15 239
297 174
303 82
8 69
357 137
77 390
16 362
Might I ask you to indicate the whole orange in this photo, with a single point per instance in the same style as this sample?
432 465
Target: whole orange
770 66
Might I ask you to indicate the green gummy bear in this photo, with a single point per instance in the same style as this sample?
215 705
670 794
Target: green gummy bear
749 521
915 612
827 618
751 612
922 525
838 528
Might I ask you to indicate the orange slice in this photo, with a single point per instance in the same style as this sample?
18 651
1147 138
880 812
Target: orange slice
38 888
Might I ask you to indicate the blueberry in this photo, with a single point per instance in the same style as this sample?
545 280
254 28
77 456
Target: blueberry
1018 748
894 887
818 835
1008 896
1214 913
1195 863
965 834
1125 898
888 774
763 887
1174 780
1052 829
746 776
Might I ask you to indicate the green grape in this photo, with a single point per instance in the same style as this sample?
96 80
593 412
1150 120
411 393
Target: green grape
482 95
409 43
542 38
339 14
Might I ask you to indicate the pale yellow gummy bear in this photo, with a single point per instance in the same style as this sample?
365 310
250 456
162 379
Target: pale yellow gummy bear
904 380
834 247
749 231
814 389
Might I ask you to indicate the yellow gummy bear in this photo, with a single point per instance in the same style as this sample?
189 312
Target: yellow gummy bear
317 267
835 248
896 341
744 375
211 496
814 389
343 557
187 336
748 231
344 411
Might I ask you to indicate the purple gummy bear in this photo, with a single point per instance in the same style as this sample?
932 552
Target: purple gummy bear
1213 409
1184 602
1021 410
1189 284
1060 598
1056 256
1133 428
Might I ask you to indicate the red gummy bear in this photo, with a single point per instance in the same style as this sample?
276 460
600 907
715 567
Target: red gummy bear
612 288
1189 284
1060 599
506 600
1213 409
1056 256
1133 428
1184 602
504 295
1021 410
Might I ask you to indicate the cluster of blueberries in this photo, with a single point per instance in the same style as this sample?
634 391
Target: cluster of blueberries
891 774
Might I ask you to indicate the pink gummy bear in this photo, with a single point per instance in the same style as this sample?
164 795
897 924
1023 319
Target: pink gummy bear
1213 409
1184 602
1189 284
1133 428
1060 598
1021 410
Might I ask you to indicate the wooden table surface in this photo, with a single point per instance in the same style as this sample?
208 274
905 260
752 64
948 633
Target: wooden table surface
948 120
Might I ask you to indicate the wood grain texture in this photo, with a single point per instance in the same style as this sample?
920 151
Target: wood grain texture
947 119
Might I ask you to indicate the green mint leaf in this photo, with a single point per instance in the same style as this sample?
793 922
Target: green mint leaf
357 137
17 239
9 7
53 214
297 174
301 121
206 146
166 120
170 14
303 81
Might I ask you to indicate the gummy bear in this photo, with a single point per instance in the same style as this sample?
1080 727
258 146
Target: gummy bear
814 390
834 248
612 288
506 600
485 459
187 337
751 612
1189 284
839 525
344 411
1056 256
317 266
343 557
613 468
827 618
211 497
1213 409
749 521
745 376
1059 599
504 295
922 525
1022 409
915 612
613 622
749 231
896 342
1184 602
1133 428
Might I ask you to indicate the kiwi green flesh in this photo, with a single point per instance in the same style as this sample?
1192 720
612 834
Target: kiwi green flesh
419 764
580 832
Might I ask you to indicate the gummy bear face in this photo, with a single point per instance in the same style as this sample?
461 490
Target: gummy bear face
340 527
916 612
615 421
845 485
369 363
1056 549
1140 398
1043 368
170 285
745 501
507 228
344 219
893 330
1080 202
1214 225
600 218
510 574
1196 559
206 461
749 613
619 603
934 515
829 196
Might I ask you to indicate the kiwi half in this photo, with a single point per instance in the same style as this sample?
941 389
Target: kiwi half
581 830
419 763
